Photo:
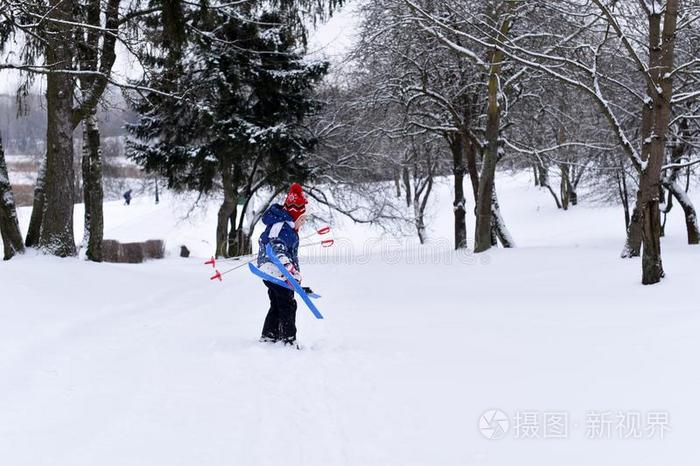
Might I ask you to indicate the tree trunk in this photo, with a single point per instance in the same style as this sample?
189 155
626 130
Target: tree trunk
9 226
57 226
243 245
691 217
93 194
397 183
482 240
494 234
672 183
457 148
499 225
633 245
565 187
225 211
482 236
667 208
233 232
543 176
661 59
421 202
544 182
573 187
407 184
470 152
624 195
652 267
36 219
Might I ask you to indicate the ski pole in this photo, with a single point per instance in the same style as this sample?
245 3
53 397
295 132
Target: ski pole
230 259
322 231
326 243
219 275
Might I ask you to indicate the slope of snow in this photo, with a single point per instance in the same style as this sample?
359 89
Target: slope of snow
154 364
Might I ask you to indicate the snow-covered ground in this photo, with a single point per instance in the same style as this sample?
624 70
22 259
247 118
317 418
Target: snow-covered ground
153 364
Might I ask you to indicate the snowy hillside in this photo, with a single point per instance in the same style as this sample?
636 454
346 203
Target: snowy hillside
153 364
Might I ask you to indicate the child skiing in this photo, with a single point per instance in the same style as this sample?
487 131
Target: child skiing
282 223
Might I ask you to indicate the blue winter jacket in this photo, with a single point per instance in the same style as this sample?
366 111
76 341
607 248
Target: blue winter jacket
280 233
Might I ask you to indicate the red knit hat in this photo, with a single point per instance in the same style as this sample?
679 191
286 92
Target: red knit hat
295 203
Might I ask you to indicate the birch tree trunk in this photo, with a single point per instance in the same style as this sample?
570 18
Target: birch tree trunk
93 193
9 226
91 163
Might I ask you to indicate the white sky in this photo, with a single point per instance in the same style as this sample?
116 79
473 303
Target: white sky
334 39
331 41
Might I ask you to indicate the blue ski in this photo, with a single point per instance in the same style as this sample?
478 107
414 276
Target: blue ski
269 278
297 287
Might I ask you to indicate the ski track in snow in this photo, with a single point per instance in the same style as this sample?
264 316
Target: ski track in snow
154 365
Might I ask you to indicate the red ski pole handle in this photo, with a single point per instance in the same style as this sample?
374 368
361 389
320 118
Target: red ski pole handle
217 276
323 231
211 262
325 243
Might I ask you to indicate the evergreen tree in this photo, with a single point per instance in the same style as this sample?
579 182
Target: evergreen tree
239 126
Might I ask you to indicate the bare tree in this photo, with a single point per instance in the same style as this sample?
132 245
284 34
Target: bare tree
580 66
72 44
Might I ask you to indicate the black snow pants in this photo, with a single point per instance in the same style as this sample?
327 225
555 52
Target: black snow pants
280 323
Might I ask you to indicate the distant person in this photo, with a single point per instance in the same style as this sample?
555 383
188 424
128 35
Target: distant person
127 197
